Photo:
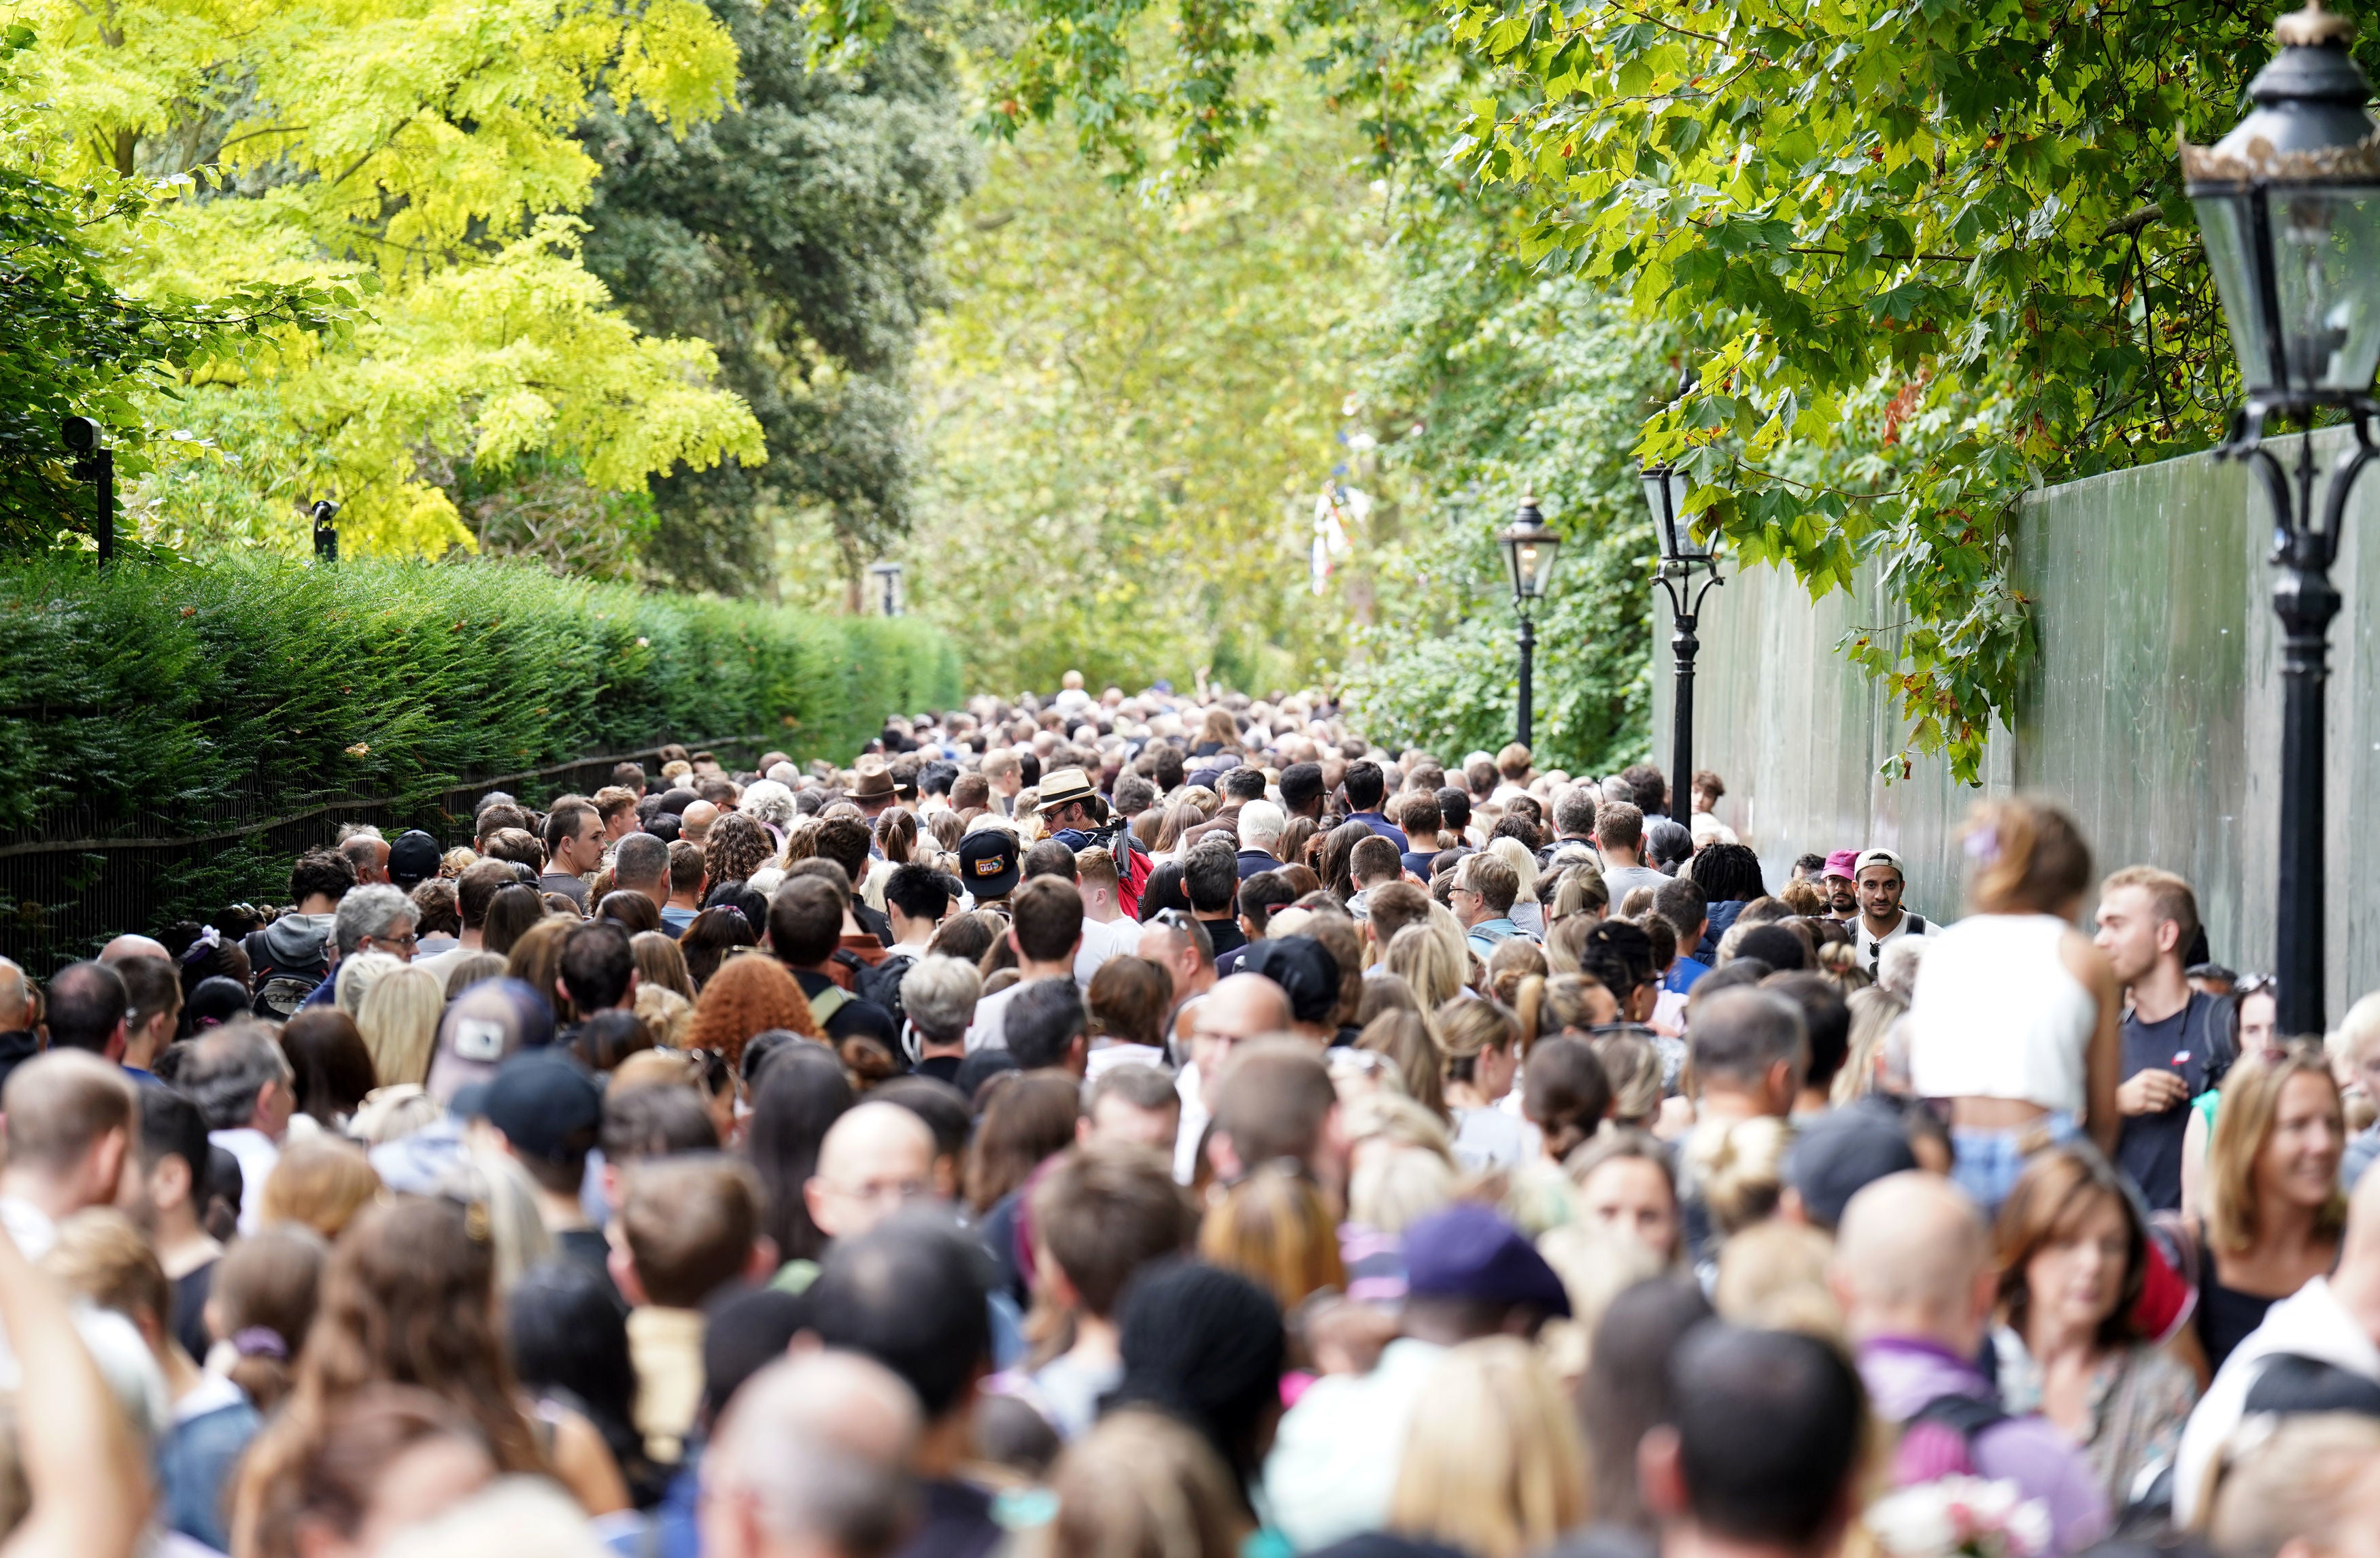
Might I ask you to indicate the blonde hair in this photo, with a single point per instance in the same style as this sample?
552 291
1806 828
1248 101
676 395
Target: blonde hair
1515 853
399 1023
2299 1484
1740 1168
1495 1467
1418 955
322 1183
1874 1011
1773 1276
1275 1228
1634 1067
357 975
2251 1101
2358 1030
1595 1266
1467 1028
1141 1485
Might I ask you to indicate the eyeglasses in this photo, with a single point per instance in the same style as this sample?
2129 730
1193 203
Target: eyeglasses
407 940
2255 984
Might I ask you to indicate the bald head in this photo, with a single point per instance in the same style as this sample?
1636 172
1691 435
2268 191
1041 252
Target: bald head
16 999
812 1457
128 945
1912 1258
875 1159
1244 1006
695 821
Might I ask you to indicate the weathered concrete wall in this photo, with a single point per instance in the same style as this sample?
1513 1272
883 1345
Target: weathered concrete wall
2154 712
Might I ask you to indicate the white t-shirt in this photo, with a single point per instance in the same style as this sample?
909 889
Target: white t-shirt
1871 947
1115 938
989 1029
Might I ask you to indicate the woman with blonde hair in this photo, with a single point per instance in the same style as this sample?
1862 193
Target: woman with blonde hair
1275 1228
1626 1185
357 974
1874 1011
2014 1018
322 1183
1482 1044
1420 956
1495 1467
659 961
1634 1069
1525 912
2275 1213
400 1024
1740 1167
1406 1038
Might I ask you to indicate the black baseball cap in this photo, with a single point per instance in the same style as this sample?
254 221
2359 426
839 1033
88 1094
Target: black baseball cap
413 859
1303 969
1840 1153
988 862
546 1103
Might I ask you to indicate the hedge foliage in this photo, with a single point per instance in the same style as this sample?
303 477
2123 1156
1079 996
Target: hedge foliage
180 698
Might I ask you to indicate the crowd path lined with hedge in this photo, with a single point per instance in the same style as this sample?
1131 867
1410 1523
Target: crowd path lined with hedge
180 729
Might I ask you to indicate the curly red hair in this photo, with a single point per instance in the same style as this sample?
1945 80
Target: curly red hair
749 994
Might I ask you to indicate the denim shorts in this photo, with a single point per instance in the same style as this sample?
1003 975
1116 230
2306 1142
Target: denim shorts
1985 1163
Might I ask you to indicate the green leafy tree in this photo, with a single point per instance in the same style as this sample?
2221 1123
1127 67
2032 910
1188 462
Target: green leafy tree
424 149
1486 385
1130 407
795 234
1924 256
80 345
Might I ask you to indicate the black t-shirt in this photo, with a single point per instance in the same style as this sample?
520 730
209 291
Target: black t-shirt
1226 933
2193 1045
192 1290
941 1068
864 1019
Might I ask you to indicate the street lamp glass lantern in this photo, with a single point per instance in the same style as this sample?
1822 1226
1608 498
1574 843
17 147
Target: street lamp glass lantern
2289 206
1529 551
888 585
1665 493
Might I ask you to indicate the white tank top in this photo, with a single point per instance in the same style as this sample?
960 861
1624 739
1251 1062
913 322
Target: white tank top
1996 1014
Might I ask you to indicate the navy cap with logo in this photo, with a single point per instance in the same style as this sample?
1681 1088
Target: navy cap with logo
412 859
546 1103
1842 1152
988 862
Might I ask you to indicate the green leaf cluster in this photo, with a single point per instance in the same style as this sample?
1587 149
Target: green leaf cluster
414 162
1130 407
795 234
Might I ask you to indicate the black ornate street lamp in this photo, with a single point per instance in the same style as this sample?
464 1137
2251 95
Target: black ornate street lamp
1529 551
94 463
888 583
326 531
1665 494
2288 203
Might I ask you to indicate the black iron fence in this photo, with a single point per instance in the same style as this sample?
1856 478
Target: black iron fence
66 887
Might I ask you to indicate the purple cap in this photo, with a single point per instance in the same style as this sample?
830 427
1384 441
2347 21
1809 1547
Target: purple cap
1844 863
1466 1251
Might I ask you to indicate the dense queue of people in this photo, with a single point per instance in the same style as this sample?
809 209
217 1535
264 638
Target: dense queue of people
1149 1127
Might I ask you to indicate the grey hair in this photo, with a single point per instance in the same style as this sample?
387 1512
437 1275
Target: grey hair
1739 1034
227 1069
642 857
940 994
769 802
819 1445
370 911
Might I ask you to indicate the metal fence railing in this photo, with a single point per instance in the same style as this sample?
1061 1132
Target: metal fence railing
66 887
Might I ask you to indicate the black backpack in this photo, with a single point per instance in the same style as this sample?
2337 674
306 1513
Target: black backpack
280 989
881 982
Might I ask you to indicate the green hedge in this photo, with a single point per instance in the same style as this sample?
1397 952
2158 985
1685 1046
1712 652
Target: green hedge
161 698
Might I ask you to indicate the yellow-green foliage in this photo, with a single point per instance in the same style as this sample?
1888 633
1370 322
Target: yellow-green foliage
420 152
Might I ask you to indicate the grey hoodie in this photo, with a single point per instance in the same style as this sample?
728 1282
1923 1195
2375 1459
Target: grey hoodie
293 942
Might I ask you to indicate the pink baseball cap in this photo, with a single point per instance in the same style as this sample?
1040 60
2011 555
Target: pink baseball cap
1842 863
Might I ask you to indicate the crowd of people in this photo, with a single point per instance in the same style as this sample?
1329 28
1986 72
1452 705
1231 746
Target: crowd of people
1152 1127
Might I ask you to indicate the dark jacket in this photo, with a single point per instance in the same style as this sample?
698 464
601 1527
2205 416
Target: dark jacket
1723 918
